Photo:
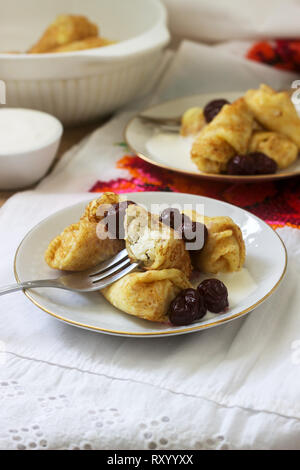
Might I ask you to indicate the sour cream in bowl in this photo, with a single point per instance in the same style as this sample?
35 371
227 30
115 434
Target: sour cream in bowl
29 141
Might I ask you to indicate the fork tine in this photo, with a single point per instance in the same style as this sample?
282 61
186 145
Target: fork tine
109 263
109 272
110 280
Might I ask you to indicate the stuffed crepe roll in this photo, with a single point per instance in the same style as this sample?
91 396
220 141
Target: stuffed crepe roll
227 134
275 111
154 244
224 250
147 295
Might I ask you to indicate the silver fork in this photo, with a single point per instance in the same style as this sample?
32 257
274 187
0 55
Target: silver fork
92 280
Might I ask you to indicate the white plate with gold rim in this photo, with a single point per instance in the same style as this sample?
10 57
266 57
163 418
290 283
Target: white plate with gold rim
265 267
171 151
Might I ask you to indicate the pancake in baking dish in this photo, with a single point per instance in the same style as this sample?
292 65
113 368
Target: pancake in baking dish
165 264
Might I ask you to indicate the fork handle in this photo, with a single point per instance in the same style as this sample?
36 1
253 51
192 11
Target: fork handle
28 285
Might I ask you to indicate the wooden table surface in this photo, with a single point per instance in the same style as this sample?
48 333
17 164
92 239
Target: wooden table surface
70 137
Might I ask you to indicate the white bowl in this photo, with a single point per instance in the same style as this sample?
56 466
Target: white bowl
27 164
80 86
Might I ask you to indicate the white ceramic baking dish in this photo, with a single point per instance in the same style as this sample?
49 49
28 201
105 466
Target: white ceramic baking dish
80 86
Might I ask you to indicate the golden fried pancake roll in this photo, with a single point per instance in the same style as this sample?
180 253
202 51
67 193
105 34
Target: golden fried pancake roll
234 124
275 111
227 134
90 43
79 247
224 250
65 30
192 122
153 243
147 295
276 146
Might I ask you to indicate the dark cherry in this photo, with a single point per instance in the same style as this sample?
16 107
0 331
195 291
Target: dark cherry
186 308
215 295
190 229
171 217
241 165
185 226
213 108
204 233
115 217
264 165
